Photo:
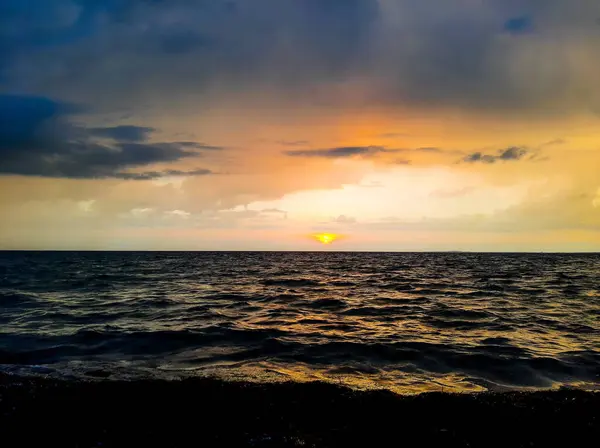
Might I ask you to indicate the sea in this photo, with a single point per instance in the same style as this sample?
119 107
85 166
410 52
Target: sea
407 322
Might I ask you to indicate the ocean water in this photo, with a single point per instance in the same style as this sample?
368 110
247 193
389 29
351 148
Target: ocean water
409 322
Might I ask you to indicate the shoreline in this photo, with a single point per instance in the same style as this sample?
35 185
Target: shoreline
210 412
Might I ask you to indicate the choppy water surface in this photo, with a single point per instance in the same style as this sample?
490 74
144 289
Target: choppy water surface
409 322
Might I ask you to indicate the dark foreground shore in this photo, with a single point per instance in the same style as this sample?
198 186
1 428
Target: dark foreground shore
44 412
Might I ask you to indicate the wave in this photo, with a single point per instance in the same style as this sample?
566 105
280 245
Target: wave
291 282
464 320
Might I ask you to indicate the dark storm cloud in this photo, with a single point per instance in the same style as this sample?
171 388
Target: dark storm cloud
36 139
22 116
341 152
27 27
405 52
509 154
181 46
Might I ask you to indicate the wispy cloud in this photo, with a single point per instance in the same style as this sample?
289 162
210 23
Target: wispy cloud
293 142
342 152
343 219
506 155
153 175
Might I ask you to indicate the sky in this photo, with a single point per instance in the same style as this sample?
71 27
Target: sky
397 125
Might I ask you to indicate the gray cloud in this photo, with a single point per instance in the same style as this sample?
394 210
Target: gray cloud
153 175
342 152
197 145
80 160
513 153
361 151
479 157
123 133
180 47
493 56
509 154
37 139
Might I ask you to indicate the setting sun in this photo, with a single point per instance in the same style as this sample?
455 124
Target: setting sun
326 238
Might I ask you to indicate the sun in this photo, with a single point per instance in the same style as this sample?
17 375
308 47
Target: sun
326 238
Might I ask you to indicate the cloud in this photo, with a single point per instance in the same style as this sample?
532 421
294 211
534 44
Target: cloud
181 46
519 25
22 115
274 210
141 211
198 145
343 219
510 154
123 133
365 152
178 214
554 142
36 139
513 153
293 142
86 206
153 175
479 157
342 152
398 51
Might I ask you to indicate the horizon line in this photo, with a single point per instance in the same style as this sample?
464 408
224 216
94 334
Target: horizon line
303 251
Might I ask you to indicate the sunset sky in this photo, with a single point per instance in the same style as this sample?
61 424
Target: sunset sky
255 124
